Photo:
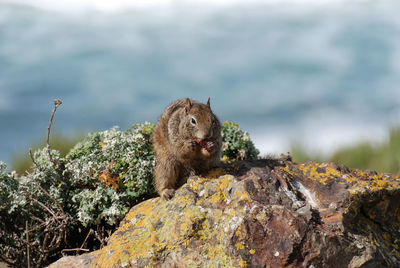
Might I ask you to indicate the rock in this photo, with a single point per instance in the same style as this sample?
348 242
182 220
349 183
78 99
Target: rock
264 213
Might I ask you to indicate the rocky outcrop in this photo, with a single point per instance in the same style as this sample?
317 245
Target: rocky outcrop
264 213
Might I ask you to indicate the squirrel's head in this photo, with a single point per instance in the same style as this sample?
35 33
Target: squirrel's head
199 120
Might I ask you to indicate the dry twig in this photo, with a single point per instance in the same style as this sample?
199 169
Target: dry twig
75 249
44 206
57 102
89 233
33 159
52 198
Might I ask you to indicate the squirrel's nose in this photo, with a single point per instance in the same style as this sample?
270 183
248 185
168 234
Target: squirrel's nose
206 134
203 136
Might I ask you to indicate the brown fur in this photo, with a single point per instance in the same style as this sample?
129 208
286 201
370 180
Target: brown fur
179 144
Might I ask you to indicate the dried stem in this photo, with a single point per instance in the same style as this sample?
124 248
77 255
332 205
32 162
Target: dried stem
89 233
75 249
37 219
57 102
38 227
43 206
51 197
33 159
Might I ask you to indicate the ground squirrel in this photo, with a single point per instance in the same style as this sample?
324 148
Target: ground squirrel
187 142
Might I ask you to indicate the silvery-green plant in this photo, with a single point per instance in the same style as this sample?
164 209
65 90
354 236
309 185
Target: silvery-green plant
113 171
236 143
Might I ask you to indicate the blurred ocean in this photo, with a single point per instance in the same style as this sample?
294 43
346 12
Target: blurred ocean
323 73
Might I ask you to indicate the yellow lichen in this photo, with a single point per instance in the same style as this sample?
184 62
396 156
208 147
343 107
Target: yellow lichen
121 248
215 173
239 246
221 190
242 195
359 180
242 263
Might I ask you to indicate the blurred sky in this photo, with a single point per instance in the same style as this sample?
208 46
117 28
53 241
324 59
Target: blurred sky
323 73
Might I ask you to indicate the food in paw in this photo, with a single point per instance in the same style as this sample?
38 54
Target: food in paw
202 143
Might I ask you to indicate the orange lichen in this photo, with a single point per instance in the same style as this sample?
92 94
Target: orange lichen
108 180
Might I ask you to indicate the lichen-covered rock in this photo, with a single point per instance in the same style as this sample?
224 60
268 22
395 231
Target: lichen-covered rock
264 213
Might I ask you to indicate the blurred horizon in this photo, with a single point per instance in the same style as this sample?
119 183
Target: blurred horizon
323 74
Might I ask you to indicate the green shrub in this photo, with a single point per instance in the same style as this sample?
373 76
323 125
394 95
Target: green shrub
236 143
9 202
113 171
79 199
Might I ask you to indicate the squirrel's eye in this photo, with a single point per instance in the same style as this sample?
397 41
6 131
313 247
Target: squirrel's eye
193 121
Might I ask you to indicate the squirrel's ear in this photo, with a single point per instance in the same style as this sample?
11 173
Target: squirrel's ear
208 103
188 105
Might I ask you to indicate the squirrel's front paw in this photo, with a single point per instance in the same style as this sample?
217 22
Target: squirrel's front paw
211 146
191 146
167 194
